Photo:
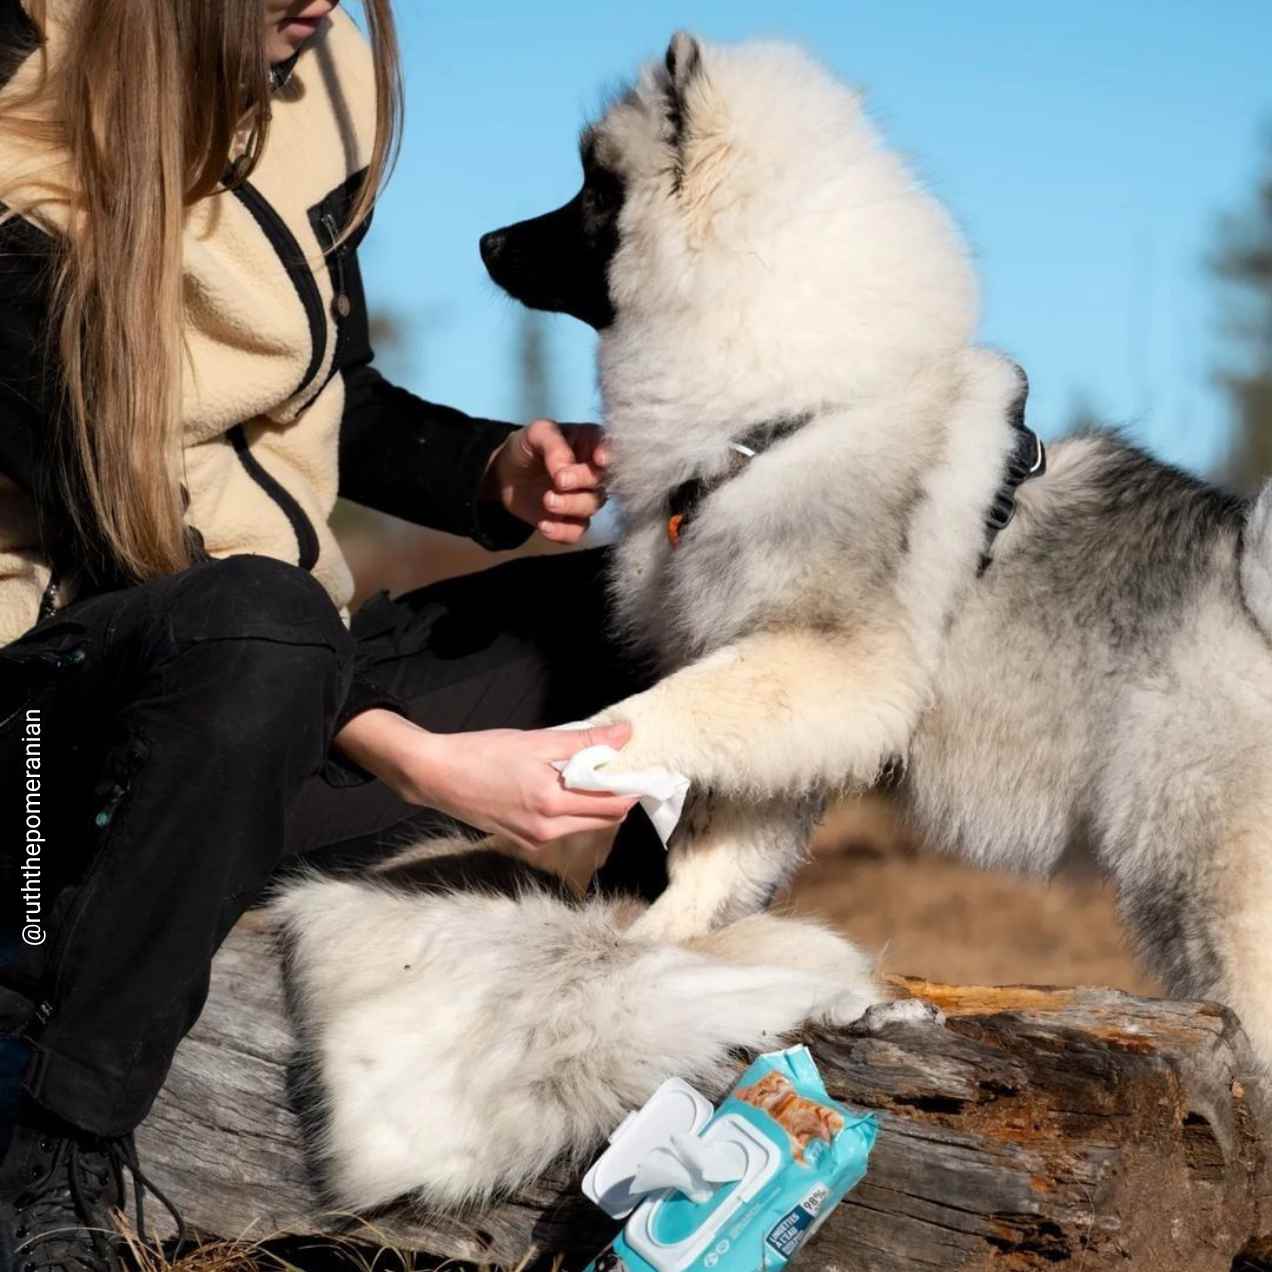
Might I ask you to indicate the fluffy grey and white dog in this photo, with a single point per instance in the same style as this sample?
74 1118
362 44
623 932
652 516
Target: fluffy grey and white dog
752 257
765 275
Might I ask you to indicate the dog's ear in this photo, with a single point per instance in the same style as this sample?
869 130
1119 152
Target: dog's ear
683 62
684 58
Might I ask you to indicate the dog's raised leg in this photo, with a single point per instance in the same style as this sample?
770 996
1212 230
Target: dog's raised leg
780 713
763 729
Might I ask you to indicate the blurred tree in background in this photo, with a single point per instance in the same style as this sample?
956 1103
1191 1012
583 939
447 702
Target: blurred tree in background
1242 262
534 377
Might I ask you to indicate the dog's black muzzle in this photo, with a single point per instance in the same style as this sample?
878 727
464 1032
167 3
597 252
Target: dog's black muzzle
558 262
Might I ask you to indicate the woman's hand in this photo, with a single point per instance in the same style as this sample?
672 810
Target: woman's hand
551 477
498 780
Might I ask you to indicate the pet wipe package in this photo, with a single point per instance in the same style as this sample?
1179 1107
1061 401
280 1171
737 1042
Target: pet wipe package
735 1189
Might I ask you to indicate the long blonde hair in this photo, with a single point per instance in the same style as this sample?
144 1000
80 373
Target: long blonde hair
144 105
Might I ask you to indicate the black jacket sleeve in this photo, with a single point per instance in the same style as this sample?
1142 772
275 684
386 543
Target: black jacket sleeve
364 694
421 462
402 455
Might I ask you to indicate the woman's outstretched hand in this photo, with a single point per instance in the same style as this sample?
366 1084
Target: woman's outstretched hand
498 780
551 476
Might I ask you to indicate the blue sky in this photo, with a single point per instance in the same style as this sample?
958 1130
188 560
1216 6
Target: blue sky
1087 149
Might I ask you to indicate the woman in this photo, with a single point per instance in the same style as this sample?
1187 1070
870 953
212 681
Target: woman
186 386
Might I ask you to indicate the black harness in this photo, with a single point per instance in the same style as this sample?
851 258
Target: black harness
1028 458
685 500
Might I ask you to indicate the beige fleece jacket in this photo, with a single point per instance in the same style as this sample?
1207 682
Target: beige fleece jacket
268 324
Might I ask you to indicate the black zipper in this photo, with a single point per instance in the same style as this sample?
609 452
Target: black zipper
293 257
302 527
340 303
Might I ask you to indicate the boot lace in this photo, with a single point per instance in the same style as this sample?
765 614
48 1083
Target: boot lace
62 1216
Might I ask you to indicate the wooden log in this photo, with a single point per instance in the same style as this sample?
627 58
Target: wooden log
1021 1128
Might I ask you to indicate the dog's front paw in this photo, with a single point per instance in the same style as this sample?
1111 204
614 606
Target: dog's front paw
633 759
658 737
900 1011
639 754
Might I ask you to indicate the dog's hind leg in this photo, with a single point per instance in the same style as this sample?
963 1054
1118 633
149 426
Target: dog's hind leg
1201 908
1211 937
1245 939
727 861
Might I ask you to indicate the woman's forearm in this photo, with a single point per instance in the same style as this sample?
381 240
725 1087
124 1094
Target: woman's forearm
391 747
499 780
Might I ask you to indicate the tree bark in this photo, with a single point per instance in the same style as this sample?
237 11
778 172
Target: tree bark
1020 1128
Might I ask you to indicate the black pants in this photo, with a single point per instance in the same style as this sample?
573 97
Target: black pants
182 733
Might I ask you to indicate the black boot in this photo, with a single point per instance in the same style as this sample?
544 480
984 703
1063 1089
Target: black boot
58 1189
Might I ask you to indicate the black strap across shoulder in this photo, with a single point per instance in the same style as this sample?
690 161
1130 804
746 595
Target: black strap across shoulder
1028 459
683 502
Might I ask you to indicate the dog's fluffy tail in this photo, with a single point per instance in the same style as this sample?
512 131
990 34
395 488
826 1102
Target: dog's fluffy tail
1256 560
455 1045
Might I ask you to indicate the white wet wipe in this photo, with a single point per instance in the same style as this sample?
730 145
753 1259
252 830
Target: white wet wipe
662 792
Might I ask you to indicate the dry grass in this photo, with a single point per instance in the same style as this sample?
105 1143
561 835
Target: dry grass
371 1250
292 1254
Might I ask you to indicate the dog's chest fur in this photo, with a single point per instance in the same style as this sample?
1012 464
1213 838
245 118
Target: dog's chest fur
829 528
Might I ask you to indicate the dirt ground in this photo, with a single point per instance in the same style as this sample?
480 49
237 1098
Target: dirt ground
922 914
930 916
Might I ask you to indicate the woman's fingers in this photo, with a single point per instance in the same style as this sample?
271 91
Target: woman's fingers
544 438
566 530
580 505
565 812
573 456
588 443
552 829
602 806
571 477
590 459
560 744
575 825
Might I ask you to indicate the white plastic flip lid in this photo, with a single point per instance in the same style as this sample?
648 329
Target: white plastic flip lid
761 1159
675 1109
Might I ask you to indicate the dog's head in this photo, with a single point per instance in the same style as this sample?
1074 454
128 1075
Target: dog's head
739 195
561 261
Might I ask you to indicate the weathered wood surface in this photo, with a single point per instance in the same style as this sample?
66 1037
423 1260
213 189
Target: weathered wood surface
1028 1128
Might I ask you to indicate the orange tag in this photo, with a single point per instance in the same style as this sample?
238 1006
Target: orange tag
673 529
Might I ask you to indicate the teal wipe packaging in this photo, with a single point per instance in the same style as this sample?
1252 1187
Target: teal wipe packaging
734 1189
